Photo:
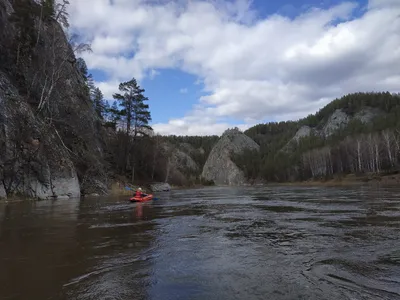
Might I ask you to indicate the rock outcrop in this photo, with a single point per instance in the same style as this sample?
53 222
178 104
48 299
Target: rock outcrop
180 165
49 135
32 160
219 166
304 131
339 119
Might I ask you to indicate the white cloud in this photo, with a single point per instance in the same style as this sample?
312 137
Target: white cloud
153 73
108 88
274 68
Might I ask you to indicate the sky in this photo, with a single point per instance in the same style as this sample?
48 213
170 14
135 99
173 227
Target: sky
210 65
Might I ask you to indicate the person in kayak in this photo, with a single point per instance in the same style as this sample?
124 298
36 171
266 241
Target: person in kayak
139 193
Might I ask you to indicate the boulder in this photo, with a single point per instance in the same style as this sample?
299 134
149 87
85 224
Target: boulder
160 187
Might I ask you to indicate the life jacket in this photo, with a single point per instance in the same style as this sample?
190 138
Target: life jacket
138 194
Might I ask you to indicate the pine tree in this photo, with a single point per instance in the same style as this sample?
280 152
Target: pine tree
98 102
82 67
112 114
49 10
135 112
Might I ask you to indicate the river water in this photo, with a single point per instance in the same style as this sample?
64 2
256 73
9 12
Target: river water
213 243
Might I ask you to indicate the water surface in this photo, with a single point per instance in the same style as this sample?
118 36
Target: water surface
213 243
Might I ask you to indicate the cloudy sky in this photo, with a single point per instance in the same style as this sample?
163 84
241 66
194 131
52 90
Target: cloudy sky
208 65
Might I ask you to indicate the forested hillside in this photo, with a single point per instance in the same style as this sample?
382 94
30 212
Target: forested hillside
358 133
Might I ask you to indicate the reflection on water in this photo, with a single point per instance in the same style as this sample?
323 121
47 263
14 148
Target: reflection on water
214 243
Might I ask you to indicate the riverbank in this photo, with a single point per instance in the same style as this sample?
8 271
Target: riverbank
349 180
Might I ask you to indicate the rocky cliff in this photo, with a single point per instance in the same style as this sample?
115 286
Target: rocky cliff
339 119
219 166
181 169
49 136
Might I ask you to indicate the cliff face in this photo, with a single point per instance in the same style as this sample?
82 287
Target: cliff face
180 165
50 145
32 160
219 166
336 121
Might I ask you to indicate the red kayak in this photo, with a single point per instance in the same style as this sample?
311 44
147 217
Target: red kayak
141 199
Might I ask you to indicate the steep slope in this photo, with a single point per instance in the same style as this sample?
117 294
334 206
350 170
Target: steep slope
183 158
219 166
358 133
50 138
181 168
338 120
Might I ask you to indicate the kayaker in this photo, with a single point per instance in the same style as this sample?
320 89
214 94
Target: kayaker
139 193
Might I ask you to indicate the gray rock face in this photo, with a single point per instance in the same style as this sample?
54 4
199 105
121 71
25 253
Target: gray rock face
219 167
181 166
33 162
62 187
3 194
304 131
339 119
182 161
42 151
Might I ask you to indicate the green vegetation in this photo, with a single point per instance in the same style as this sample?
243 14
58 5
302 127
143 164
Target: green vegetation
372 146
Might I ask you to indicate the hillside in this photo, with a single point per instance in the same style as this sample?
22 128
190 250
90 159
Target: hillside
358 133
219 167
59 138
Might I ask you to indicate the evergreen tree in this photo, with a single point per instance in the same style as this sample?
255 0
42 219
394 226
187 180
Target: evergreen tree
82 67
135 112
98 102
49 9
112 114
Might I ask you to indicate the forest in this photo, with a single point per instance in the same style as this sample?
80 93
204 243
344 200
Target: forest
369 147
108 141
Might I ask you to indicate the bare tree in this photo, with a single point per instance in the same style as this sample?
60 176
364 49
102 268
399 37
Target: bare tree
358 141
388 142
156 151
61 14
55 64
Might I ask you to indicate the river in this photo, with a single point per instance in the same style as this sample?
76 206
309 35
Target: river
212 243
